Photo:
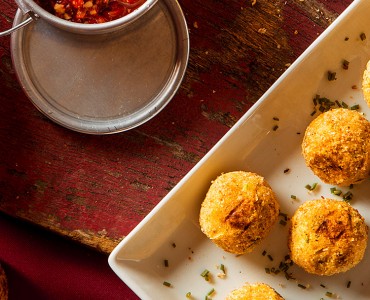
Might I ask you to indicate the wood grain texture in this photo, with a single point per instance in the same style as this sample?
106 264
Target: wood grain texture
96 189
4 294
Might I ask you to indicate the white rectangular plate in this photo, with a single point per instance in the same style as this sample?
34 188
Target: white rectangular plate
253 145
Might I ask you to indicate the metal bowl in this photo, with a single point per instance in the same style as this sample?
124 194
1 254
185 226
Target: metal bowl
34 11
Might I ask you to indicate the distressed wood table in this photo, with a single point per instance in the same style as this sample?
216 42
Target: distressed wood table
96 189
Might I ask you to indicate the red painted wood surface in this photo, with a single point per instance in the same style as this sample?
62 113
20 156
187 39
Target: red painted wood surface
96 189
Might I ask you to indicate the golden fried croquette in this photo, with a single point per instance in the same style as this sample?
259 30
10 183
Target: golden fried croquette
327 237
238 211
257 291
336 147
366 83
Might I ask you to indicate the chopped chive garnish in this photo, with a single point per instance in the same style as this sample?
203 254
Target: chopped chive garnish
211 292
173 245
332 76
205 274
315 100
329 294
344 104
351 186
322 285
313 112
267 270
335 191
355 107
349 284
264 252
311 187
270 257
188 295
293 197
282 222
286 170
275 118
275 128
288 276
302 286
363 36
222 268
165 262
348 196
345 64
166 283
284 215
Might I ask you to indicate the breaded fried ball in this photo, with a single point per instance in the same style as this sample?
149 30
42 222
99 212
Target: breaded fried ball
238 211
257 291
366 83
336 147
327 237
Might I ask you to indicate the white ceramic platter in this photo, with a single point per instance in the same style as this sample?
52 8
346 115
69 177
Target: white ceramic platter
253 145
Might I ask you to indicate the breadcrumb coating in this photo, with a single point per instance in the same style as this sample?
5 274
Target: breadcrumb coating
327 237
238 211
336 147
256 291
366 83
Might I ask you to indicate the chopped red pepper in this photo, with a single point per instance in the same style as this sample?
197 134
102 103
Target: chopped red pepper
90 11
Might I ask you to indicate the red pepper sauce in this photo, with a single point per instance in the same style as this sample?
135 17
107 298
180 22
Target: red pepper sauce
89 11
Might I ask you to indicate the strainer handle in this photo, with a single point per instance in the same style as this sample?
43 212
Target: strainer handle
32 17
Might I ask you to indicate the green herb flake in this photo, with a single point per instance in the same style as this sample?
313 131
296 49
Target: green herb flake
363 36
165 262
270 257
302 286
332 76
355 107
293 197
167 284
345 64
205 274
349 284
335 191
284 215
188 295
344 104
282 222
347 196
329 294
210 292
275 128
311 187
